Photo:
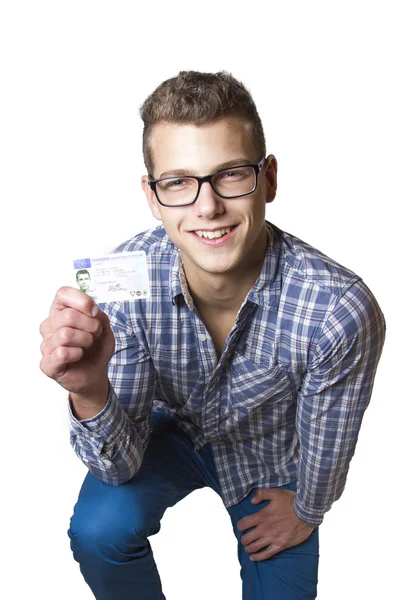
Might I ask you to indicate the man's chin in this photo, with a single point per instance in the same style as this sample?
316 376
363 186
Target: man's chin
214 268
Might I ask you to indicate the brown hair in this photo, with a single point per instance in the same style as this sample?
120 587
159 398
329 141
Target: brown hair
199 98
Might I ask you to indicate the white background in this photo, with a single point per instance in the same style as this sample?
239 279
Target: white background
324 76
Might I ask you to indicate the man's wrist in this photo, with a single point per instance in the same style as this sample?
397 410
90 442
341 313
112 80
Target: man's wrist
86 406
307 525
304 523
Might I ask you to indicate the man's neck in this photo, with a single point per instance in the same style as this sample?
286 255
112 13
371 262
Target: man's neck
223 292
219 295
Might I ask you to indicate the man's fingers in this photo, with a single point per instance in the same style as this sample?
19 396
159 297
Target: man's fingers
70 318
55 364
264 494
73 298
250 536
66 336
250 521
267 553
103 319
258 545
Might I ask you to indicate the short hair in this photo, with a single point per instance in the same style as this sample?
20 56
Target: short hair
198 98
82 272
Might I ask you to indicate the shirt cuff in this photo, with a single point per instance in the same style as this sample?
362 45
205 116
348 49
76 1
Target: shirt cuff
309 516
103 428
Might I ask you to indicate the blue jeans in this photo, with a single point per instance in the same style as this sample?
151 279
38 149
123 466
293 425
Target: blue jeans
111 524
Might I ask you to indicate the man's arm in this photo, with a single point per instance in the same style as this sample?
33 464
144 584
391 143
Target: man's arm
112 442
331 403
82 348
334 395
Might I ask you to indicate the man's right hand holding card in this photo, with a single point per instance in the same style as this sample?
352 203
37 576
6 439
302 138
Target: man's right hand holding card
77 346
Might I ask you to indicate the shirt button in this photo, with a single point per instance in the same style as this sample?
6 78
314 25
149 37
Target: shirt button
203 337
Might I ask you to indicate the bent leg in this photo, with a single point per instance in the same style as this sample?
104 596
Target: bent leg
289 575
111 524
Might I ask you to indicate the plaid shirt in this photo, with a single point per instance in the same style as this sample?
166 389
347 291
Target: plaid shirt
286 398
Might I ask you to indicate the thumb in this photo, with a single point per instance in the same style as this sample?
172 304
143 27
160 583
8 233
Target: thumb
263 494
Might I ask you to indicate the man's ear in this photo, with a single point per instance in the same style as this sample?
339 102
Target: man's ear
151 198
271 173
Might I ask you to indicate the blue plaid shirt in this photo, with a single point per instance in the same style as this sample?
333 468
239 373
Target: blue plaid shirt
286 398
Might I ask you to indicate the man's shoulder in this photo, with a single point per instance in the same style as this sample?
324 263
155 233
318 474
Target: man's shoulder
304 262
154 242
326 287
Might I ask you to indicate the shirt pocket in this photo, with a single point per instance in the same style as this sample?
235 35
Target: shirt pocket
260 400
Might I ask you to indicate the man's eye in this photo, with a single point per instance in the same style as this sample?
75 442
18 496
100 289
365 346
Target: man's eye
233 174
175 183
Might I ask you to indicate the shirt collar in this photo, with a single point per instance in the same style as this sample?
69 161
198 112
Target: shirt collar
176 276
265 291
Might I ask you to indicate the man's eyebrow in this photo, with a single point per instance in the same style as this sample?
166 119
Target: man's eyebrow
230 163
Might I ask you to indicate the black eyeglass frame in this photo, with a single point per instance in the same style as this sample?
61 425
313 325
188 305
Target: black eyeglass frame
207 178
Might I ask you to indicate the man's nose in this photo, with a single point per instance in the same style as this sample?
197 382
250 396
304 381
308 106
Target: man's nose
208 202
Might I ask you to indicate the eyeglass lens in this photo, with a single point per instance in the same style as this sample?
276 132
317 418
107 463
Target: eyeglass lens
229 183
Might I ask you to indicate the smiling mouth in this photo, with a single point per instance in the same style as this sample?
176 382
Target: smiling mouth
211 235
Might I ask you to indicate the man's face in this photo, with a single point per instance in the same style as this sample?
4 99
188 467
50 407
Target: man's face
83 281
201 150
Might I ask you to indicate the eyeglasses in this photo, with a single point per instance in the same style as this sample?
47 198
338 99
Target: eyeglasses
234 182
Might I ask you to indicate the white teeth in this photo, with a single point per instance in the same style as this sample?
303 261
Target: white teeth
213 234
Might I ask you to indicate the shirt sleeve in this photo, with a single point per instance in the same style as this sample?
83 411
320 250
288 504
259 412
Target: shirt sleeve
335 392
112 443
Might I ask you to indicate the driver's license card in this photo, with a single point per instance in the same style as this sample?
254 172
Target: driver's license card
113 278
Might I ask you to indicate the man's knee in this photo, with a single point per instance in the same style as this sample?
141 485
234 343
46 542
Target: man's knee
109 532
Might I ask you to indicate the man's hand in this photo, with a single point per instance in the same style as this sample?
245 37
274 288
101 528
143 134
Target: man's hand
275 525
77 344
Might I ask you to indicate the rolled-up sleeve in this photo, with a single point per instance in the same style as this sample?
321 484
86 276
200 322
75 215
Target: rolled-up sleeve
336 390
112 443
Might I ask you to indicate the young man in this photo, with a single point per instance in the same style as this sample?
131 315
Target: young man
247 370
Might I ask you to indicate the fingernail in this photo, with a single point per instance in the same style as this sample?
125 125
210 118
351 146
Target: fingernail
95 310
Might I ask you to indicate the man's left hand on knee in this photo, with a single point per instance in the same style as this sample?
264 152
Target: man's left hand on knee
274 527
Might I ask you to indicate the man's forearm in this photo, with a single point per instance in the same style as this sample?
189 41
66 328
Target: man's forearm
110 444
